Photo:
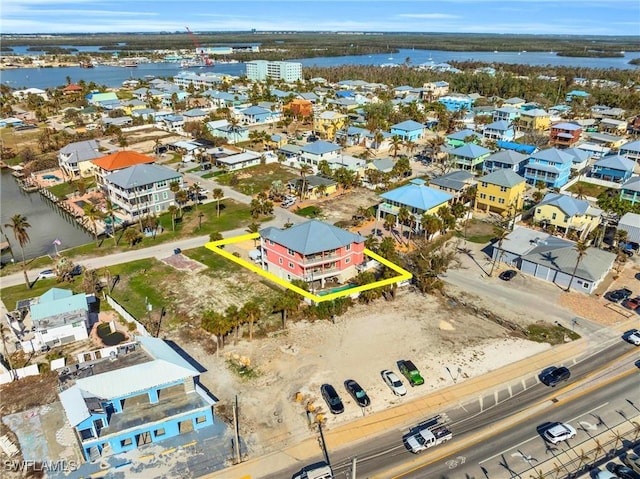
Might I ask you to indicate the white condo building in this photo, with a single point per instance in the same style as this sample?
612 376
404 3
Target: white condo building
260 70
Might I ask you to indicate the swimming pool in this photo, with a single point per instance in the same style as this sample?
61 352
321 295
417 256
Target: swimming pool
337 290
107 221
81 203
50 177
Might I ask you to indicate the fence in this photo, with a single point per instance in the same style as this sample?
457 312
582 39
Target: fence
141 330
19 373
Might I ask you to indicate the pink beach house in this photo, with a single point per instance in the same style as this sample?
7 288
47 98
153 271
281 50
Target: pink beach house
313 252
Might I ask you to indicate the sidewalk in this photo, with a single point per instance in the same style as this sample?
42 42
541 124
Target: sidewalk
403 415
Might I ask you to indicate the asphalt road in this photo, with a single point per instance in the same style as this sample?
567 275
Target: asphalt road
377 457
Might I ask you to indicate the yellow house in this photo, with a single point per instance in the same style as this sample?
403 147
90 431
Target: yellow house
315 186
328 123
567 213
534 120
133 105
501 191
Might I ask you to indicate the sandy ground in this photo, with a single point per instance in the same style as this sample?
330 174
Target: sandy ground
359 346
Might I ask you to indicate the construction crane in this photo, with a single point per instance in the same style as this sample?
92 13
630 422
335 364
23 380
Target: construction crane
199 51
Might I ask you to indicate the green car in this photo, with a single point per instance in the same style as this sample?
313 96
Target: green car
410 371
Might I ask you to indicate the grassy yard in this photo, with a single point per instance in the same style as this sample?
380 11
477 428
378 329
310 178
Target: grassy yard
588 189
217 263
477 232
259 178
309 211
64 189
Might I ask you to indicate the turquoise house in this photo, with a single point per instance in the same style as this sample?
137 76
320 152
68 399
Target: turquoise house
630 190
470 156
408 130
551 166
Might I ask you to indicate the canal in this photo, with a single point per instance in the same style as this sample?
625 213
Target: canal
48 223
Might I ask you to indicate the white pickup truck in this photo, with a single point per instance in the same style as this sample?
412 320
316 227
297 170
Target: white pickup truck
422 438
315 472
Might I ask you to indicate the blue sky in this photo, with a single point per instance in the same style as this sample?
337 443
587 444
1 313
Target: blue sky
595 17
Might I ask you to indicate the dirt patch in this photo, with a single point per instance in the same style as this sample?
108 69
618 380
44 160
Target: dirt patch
19 395
184 263
343 205
369 338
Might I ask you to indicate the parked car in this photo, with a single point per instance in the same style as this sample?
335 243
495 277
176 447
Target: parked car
624 472
604 474
508 275
631 303
554 375
332 399
47 273
632 336
618 295
394 383
358 394
632 461
558 432
411 372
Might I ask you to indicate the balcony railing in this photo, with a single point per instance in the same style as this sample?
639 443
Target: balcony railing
307 261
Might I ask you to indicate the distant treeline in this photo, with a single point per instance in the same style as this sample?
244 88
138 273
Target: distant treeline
308 44
590 54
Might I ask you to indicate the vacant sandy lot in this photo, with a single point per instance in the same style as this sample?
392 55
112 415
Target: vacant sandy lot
365 341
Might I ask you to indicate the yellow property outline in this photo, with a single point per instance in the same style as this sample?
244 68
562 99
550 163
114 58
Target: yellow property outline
216 247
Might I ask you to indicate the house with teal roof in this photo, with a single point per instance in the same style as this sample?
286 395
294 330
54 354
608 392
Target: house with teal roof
56 318
470 156
97 98
408 130
416 197
630 190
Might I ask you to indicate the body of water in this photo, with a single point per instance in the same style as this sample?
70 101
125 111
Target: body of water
47 222
113 76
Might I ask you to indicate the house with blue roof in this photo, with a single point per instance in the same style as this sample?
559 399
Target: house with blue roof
232 134
469 156
630 190
456 102
565 134
462 137
122 397
580 158
313 251
255 115
576 94
616 168
505 159
501 130
519 147
565 212
195 114
506 113
408 130
551 166
173 122
97 98
313 153
416 197
55 318
631 150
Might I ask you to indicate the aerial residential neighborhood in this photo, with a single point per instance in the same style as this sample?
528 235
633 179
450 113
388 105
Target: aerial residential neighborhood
246 275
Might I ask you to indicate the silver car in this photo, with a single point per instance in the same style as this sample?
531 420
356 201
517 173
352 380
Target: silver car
559 432
394 382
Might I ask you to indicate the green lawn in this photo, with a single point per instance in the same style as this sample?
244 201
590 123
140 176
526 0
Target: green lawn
64 189
309 211
212 260
477 232
258 178
588 189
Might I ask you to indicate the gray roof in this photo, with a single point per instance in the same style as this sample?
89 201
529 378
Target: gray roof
454 180
470 150
594 264
616 162
83 150
632 184
630 222
462 134
383 164
570 206
633 146
320 147
507 157
522 240
311 237
503 177
553 155
578 154
139 175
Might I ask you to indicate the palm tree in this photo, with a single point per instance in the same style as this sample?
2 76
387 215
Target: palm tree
581 249
173 209
286 301
396 144
233 316
389 222
321 190
404 215
501 233
251 310
218 194
93 214
181 198
304 171
431 224
110 213
19 225
218 324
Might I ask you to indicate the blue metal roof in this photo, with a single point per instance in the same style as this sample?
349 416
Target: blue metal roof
57 301
616 162
553 155
462 134
633 146
566 126
408 125
503 177
501 125
418 196
470 150
519 147
320 147
311 237
255 110
570 206
507 157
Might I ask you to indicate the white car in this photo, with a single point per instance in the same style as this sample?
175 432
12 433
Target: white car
47 273
632 336
394 383
559 432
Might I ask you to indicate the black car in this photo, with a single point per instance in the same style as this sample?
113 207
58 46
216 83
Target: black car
624 472
358 394
618 295
554 375
508 275
332 399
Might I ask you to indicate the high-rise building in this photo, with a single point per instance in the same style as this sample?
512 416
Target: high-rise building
260 70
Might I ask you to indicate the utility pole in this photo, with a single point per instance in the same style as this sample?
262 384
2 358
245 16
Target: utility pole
325 453
236 429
